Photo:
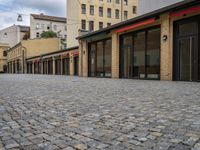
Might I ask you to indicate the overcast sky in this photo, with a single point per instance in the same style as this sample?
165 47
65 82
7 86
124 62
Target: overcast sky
10 8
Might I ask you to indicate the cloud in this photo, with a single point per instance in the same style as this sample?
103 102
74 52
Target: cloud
10 8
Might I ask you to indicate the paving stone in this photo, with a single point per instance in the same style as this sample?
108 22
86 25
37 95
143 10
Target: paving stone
60 112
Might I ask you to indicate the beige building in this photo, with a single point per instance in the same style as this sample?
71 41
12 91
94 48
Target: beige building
91 15
18 54
40 23
3 57
14 34
161 45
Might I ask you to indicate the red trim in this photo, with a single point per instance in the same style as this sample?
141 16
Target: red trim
65 55
75 53
185 11
143 23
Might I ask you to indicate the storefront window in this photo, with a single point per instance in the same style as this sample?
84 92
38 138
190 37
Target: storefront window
100 60
153 54
107 58
127 51
139 55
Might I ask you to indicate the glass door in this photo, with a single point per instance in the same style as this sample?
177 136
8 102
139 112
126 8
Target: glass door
107 58
186 60
92 63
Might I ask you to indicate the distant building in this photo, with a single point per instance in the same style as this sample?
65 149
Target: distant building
17 55
91 15
14 34
3 57
145 6
40 23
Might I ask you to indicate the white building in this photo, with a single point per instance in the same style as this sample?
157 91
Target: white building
146 6
14 34
41 22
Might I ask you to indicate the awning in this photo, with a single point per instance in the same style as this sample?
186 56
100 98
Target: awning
135 25
185 11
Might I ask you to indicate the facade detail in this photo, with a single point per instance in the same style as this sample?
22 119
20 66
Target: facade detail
40 23
14 34
3 57
84 15
160 45
63 62
17 55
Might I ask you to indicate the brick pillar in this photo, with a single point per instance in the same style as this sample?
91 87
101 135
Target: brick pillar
115 56
166 52
83 58
54 66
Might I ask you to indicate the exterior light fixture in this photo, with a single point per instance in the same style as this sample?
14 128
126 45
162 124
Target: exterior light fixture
164 38
19 18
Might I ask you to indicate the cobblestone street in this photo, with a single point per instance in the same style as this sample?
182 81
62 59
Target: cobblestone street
59 112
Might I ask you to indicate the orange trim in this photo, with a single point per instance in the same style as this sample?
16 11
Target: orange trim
185 11
143 23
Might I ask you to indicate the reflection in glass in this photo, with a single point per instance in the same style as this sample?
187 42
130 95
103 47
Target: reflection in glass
139 55
100 60
185 59
107 58
92 59
127 48
153 54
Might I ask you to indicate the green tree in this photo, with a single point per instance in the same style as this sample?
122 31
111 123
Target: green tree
48 34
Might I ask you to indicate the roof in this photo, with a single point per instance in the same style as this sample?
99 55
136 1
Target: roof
55 52
176 6
49 18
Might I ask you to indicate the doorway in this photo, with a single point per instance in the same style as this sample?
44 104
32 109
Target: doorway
186 54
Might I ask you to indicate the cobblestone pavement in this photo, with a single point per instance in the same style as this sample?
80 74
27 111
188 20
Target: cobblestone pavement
59 112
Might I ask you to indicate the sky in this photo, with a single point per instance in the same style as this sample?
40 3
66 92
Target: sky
9 10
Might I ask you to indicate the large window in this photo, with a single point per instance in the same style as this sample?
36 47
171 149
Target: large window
100 58
140 55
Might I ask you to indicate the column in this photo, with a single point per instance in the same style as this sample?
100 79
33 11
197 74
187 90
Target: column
115 56
165 52
54 65
71 65
47 67
33 68
83 58
61 65
42 67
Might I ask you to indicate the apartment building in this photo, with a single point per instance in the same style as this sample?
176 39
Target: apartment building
160 45
40 23
145 6
91 15
14 34
3 57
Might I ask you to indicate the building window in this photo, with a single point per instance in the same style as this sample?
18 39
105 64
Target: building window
117 13
125 2
83 24
55 27
101 11
92 10
108 24
83 8
42 26
65 28
4 53
37 34
109 12
48 27
91 25
109 1
125 15
100 25
134 9
37 25
117 2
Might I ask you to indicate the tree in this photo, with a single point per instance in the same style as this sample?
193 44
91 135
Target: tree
48 34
